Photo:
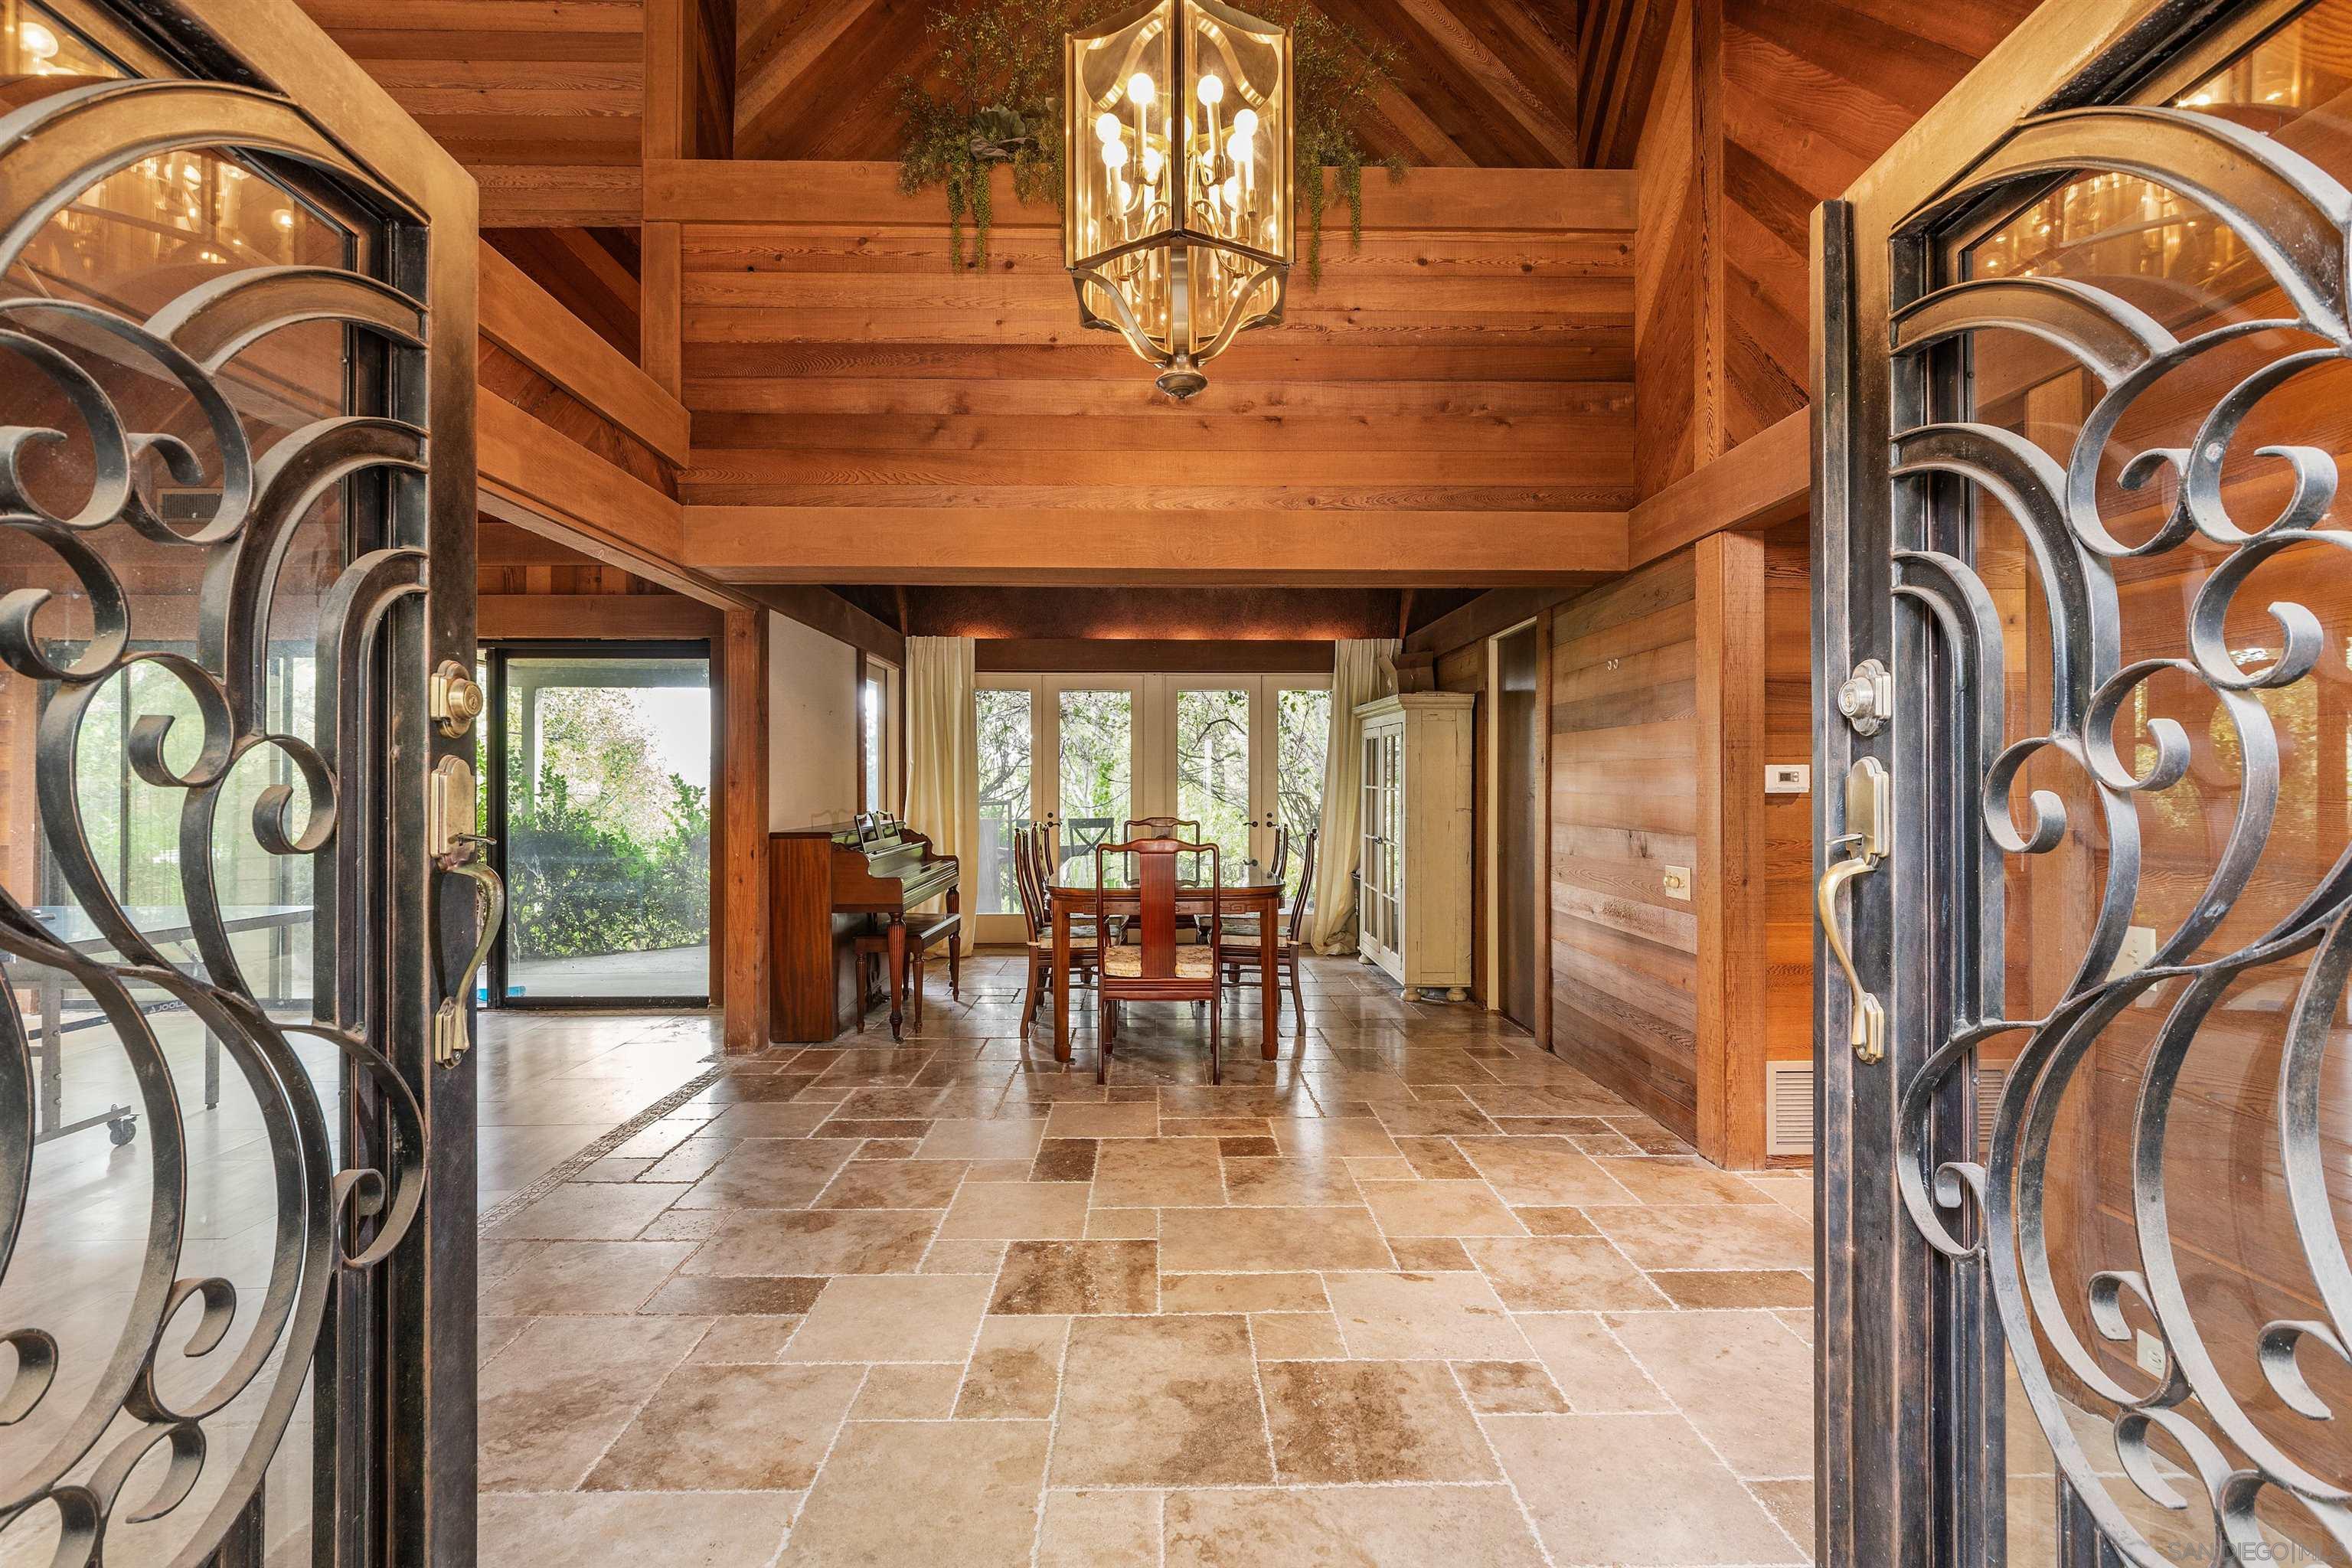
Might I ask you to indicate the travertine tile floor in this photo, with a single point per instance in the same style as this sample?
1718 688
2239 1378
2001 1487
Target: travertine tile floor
1415 1293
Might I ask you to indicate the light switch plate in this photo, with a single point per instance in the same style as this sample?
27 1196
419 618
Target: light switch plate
1679 882
2149 1354
2139 952
1787 778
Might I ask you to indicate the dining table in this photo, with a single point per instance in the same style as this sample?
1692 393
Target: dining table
1244 889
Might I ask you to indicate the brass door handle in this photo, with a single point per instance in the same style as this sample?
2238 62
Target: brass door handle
1867 1033
1869 811
452 1034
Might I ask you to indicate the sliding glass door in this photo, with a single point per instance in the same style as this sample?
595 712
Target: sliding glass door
600 804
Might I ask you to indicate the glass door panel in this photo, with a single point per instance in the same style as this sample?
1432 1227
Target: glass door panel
1007 725
605 810
1213 777
1302 740
1095 736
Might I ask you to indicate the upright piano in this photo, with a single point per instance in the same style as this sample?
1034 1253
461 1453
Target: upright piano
832 884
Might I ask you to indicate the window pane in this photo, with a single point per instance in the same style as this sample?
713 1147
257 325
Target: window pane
1006 726
608 826
1097 760
870 741
1212 766
1302 737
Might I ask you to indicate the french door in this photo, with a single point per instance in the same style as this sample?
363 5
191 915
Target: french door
237 1217
2083 594
1241 756
1063 750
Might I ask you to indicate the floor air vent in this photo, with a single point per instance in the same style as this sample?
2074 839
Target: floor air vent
1788 1108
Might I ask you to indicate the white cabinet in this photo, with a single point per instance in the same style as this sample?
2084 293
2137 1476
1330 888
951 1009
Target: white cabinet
1415 914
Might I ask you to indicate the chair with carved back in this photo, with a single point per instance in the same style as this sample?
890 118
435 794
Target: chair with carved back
1239 953
1154 966
1032 879
1179 827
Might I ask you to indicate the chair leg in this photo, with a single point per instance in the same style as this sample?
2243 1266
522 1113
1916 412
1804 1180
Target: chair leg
1216 1069
1102 1040
1029 1000
955 966
1298 1000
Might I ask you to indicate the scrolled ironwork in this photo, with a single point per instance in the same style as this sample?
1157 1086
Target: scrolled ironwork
330 1212
2295 220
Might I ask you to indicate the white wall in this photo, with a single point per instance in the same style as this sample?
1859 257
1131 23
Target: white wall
812 726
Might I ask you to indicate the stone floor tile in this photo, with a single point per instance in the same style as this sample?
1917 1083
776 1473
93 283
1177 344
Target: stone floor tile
1160 1401
1542 1171
1099 1530
964 1138
1269 1240
823 1241
730 1428
1744 1381
742 1340
588 1210
893 1316
1242 1293
1735 1286
1157 1172
1079 1277
1669 1179
1562 1273
1293 1182
1745 1236
1082 1119
1348 1136
1295 1336
1593 1369
561 1276
771 1173
1426 1208
717 1296
908 1391
1580 1475
1122 1225
908 1492
1509 1387
893 1185
555 1398
1335 1421
1017 1369
1016 1211
633 1527
1400 1525
1454 1316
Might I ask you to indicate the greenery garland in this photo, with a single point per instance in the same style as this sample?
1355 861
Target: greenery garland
993 95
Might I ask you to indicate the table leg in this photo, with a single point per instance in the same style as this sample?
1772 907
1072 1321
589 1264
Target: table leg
212 1070
898 977
1061 981
1269 979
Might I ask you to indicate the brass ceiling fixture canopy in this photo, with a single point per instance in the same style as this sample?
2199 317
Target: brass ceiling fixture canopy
1177 218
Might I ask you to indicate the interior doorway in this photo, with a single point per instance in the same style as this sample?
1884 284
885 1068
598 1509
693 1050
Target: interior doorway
599 802
1519 791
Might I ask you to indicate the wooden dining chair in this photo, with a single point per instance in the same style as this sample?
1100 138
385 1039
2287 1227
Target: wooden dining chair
1239 953
1179 827
1280 861
1033 878
1155 967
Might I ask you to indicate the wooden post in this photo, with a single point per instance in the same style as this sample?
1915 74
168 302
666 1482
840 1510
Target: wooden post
1543 830
660 306
1729 874
743 809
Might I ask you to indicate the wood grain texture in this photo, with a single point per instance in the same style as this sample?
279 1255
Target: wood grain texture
1621 47
1729 888
542 100
1624 802
1758 484
742 813
639 617
863 413
1788 830
1491 82
592 272
535 327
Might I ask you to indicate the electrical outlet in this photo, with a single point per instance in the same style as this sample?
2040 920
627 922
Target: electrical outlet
2139 952
1679 882
1787 778
2149 1354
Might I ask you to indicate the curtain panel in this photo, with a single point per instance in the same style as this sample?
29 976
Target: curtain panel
1363 669
943 755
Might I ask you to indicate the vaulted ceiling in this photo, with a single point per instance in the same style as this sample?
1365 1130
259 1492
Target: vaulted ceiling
545 101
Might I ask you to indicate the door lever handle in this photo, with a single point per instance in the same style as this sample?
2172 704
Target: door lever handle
452 1033
1868 808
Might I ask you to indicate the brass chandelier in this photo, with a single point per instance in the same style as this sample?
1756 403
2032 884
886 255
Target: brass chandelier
1177 219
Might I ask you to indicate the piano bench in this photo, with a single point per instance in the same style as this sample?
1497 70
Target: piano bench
923 933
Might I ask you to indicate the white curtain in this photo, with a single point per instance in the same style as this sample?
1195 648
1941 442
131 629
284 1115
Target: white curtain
1362 669
943 755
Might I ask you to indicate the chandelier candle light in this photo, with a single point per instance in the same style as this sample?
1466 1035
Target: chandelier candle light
1177 222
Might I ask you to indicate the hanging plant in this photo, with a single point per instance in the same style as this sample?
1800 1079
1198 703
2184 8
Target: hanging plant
993 95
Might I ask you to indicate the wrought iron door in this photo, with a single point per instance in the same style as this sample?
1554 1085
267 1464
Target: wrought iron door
2082 592
237 883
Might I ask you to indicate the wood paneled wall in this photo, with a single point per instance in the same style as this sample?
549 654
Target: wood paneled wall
542 100
1624 800
1456 362
1787 870
1761 110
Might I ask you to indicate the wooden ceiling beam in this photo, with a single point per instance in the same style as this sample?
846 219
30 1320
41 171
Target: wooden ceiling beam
778 45
531 324
1765 481
1023 545
1516 101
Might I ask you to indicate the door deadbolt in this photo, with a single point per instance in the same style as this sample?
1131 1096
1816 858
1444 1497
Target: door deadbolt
1867 698
453 698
